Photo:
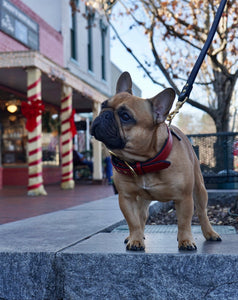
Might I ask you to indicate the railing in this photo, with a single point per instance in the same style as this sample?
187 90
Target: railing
218 156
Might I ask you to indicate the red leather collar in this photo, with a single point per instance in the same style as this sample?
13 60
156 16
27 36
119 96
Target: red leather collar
155 164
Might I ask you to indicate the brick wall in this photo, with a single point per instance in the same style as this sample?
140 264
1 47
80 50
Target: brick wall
51 41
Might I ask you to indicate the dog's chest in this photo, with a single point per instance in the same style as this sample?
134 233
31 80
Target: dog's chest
152 188
148 187
146 184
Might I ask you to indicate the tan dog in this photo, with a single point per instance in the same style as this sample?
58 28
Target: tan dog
151 162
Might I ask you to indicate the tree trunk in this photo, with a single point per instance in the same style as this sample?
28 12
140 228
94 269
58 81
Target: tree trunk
223 88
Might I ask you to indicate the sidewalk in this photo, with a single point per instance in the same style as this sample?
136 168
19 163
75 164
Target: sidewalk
16 205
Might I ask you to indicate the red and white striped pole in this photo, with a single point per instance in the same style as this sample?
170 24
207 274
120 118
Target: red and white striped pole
35 181
67 181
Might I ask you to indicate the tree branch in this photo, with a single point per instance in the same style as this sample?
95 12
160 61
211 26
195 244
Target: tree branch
163 70
220 49
134 56
205 108
186 24
221 66
219 110
158 61
170 29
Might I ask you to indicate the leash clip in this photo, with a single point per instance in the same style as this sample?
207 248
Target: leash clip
171 115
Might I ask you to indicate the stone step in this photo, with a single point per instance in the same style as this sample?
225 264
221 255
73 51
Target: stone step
75 254
101 268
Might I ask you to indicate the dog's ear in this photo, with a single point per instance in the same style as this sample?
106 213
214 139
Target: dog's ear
124 83
161 104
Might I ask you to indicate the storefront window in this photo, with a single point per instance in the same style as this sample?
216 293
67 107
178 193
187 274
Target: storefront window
14 136
50 137
14 141
50 148
82 141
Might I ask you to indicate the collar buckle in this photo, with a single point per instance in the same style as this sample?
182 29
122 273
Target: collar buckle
131 169
126 163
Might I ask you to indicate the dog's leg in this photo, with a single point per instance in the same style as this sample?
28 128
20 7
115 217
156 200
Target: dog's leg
201 200
135 212
184 211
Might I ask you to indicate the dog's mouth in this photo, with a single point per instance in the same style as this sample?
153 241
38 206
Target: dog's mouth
111 142
105 130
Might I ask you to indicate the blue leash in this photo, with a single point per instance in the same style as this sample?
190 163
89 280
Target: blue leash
184 95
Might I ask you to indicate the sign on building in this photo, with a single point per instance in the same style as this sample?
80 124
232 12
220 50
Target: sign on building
17 24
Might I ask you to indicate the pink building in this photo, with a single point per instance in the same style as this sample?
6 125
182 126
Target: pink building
43 62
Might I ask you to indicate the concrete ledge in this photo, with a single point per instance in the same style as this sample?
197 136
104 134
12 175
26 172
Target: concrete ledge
71 254
149 277
29 262
107 271
26 275
101 268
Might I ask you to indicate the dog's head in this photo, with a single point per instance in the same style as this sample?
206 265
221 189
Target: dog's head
128 123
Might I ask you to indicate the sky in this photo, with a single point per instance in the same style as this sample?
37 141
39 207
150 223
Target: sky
125 62
137 41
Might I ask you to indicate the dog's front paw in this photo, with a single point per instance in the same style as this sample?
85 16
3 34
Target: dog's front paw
187 245
126 240
135 245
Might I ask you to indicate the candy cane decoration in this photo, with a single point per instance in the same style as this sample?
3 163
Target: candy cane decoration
35 181
67 181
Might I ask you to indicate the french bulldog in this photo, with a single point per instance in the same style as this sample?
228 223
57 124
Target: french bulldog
151 162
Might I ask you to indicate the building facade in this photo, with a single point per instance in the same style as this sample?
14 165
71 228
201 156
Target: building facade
53 60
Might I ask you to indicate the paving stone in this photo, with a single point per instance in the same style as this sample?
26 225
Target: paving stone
55 231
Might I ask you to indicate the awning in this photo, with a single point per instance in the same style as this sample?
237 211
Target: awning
13 80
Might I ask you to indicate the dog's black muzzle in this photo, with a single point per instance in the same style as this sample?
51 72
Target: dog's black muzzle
105 129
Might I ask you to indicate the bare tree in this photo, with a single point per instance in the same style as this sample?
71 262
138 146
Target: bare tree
183 27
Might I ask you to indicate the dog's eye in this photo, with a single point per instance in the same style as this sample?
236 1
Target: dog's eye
125 116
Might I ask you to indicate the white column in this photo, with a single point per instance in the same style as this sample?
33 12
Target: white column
67 181
35 179
97 149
